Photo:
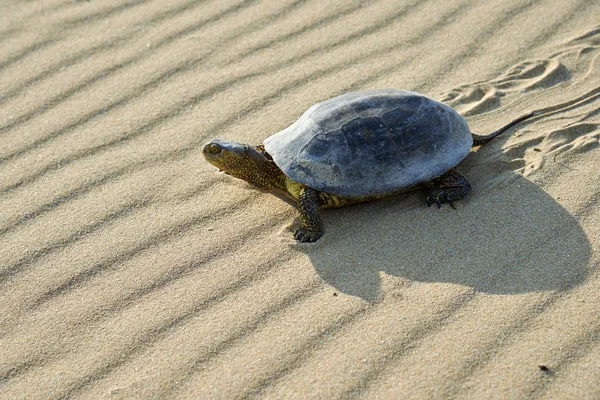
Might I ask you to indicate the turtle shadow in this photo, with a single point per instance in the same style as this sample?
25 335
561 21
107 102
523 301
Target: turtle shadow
507 237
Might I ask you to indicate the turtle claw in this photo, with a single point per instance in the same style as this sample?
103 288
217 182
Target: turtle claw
449 187
307 236
439 199
435 199
430 202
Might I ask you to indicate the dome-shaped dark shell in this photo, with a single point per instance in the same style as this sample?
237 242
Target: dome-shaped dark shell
371 142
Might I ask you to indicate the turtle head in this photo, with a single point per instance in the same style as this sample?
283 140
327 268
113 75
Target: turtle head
251 164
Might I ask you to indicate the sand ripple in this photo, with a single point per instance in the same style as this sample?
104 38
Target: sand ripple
130 267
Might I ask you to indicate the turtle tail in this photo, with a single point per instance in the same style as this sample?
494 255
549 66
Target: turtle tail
481 139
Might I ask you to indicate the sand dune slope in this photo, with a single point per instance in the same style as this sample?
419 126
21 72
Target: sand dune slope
129 267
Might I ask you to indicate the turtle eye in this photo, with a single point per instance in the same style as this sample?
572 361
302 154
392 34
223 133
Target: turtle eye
214 148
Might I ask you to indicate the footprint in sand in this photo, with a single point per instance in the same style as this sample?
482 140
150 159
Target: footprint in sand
574 139
473 98
568 128
532 75
581 54
479 97
531 154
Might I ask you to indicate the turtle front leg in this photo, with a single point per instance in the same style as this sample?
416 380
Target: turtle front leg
447 188
311 227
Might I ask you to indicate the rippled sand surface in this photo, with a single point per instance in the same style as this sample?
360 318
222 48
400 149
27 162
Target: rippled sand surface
129 267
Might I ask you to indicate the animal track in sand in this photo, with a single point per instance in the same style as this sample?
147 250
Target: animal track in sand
576 139
533 74
473 98
479 97
567 128
530 155
581 54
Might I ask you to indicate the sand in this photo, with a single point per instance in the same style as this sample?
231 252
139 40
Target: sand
129 267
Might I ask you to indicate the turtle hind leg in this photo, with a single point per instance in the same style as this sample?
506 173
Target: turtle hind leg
311 227
447 188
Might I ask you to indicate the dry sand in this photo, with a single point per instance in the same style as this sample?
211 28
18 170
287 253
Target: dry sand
130 268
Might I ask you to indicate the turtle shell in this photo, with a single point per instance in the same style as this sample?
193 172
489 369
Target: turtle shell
371 142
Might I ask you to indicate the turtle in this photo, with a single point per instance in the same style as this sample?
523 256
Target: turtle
356 147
